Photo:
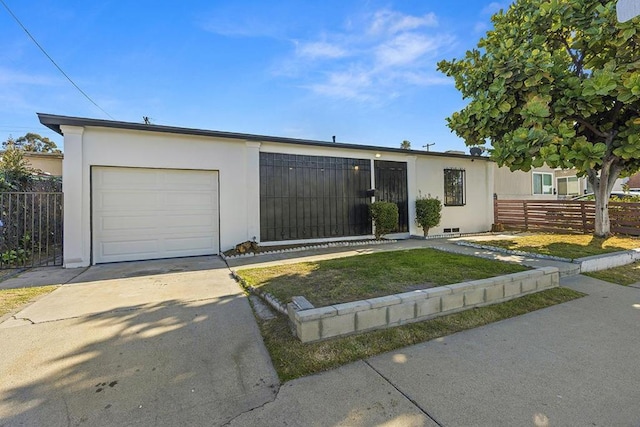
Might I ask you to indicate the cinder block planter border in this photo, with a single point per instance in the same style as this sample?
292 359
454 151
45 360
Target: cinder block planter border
585 264
315 324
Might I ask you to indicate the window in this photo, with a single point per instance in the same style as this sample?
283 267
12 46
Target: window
454 187
568 186
542 183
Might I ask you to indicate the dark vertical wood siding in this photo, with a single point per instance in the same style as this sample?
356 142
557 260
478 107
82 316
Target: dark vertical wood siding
391 186
308 197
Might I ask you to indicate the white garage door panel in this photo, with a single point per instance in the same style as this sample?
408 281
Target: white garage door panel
153 213
114 201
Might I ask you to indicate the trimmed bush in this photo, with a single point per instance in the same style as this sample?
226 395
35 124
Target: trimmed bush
428 213
385 217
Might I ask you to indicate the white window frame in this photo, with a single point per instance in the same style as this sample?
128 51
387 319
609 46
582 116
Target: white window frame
546 189
567 178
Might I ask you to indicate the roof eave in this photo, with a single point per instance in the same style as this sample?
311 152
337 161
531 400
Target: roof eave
55 122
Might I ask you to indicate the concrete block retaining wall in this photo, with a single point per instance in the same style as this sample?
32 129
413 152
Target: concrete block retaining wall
603 262
314 324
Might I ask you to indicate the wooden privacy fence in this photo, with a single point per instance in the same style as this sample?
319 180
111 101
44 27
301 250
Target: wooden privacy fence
30 229
573 216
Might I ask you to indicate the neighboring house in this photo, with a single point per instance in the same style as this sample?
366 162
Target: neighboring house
633 181
135 191
542 183
48 163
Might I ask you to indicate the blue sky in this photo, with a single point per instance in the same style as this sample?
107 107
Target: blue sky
364 71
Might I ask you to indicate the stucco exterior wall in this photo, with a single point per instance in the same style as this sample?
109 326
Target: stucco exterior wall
48 163
238 177
477 213
237 162
518 185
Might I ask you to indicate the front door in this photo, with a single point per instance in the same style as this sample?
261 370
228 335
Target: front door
391 186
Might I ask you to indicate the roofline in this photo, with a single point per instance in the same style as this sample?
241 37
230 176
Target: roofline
38 154
54 122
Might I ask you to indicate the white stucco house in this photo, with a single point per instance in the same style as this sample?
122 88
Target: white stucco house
135 191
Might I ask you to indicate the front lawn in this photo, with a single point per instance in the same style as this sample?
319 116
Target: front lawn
13 299
293 359
368 276
570 246
624 275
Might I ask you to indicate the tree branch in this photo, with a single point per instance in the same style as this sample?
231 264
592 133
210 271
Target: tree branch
577 62
615 111
589 126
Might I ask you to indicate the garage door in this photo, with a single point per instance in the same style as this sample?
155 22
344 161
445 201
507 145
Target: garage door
142 214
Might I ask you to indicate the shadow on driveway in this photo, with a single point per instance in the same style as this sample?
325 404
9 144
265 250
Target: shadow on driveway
154 348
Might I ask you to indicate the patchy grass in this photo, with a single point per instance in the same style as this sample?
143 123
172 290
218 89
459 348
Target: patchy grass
293 359
12 299
624 275
570 246
368 276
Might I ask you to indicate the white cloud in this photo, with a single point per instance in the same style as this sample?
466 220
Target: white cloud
372 58
480 27
405 48
424 79
490 9
493 8
390 22
350 84
315 50
9 77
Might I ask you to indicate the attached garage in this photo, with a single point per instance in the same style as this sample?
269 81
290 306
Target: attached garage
143 213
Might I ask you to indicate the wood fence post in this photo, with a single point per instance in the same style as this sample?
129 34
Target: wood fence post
526 215
584 217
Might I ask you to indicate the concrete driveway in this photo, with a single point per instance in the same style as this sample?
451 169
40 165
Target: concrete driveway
169 342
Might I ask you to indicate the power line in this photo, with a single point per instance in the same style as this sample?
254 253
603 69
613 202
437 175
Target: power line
52 61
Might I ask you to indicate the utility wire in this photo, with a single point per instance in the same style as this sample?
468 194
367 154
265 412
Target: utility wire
52 61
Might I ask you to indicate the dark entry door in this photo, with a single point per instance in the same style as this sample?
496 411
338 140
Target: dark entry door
391 186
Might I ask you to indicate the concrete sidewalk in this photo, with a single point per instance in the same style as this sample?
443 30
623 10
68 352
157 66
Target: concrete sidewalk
569 365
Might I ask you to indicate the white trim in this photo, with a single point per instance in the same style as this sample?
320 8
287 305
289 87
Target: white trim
549 187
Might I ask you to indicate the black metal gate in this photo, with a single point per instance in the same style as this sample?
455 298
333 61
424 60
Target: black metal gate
308 197
391 186
30 229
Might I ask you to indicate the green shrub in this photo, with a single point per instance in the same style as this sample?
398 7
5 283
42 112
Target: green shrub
428 212
385 217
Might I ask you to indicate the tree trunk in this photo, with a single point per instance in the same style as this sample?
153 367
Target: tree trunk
602 186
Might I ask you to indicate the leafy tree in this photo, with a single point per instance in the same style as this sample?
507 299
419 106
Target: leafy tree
405 145
555 81
32 142
15 172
